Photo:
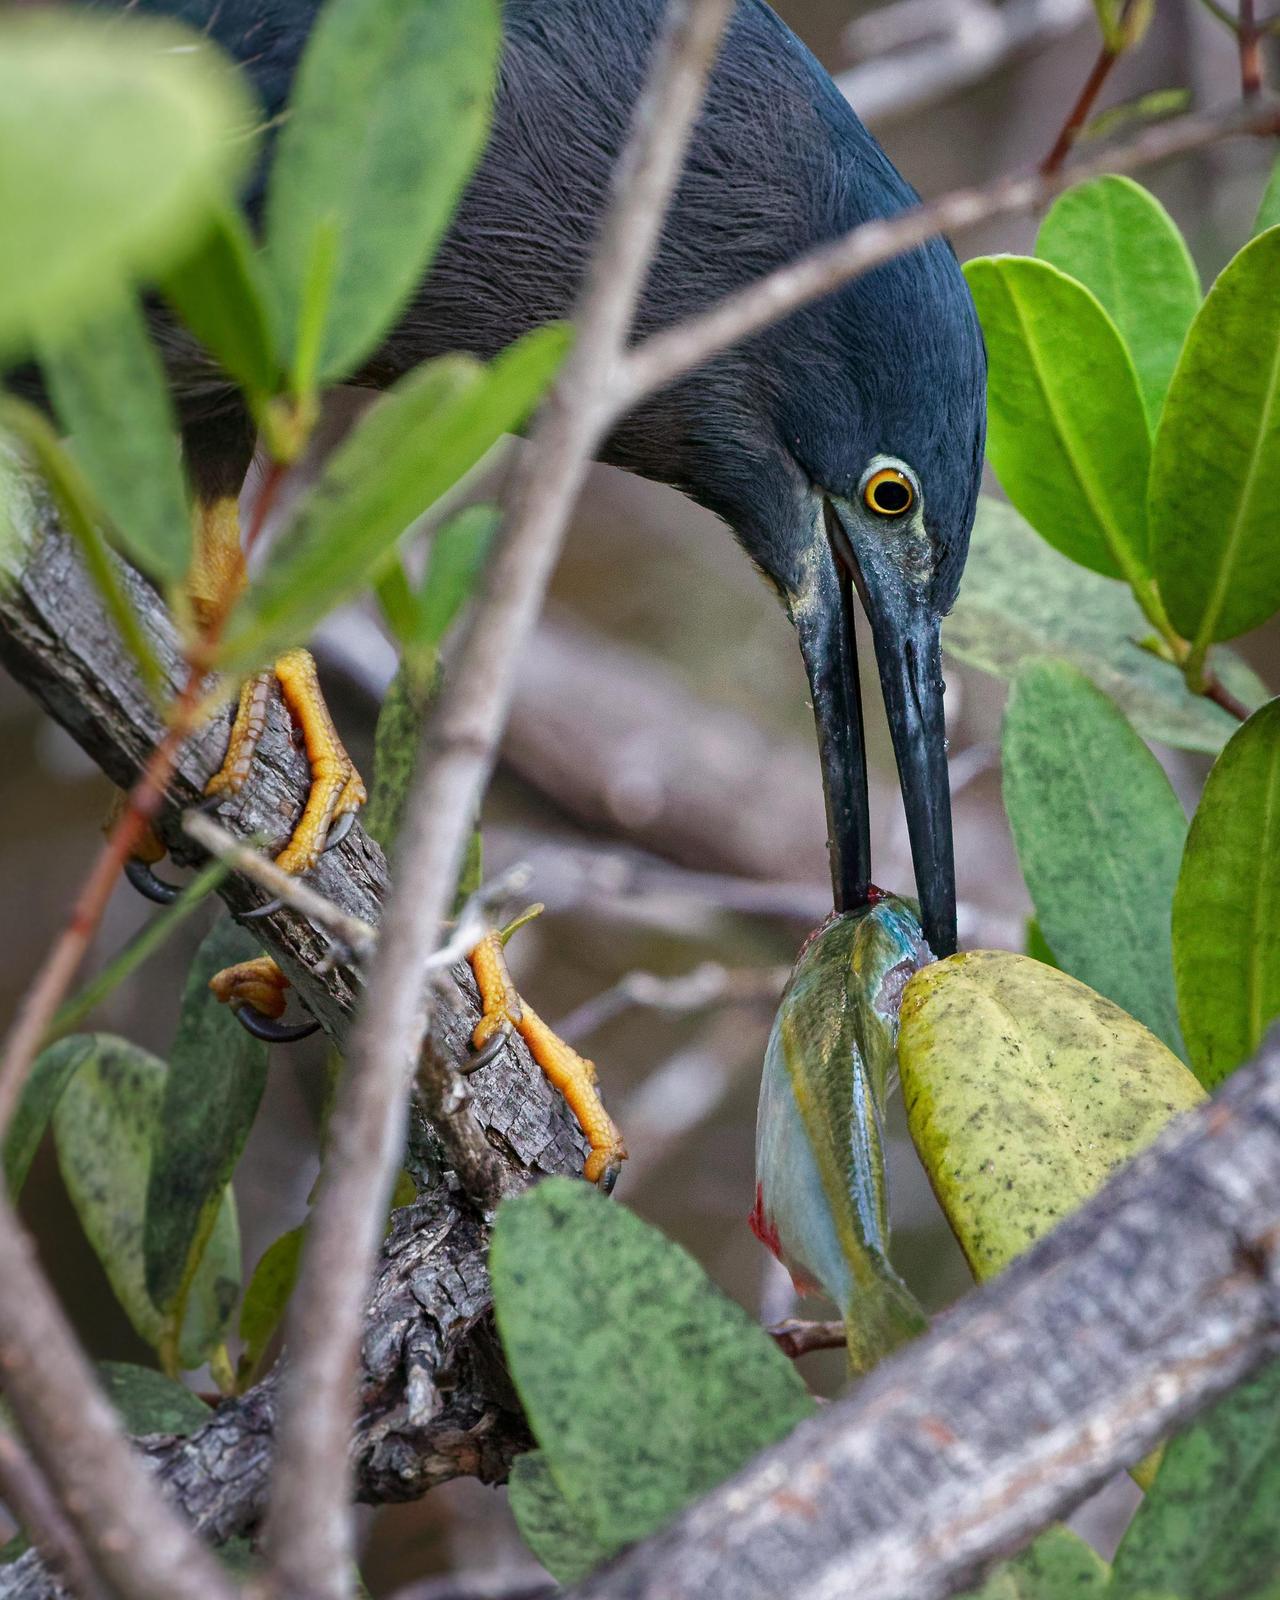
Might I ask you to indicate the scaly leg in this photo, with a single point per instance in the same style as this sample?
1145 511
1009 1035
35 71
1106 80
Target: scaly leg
572 1074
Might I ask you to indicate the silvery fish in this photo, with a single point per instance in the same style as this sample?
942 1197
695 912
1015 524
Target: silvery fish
821 1205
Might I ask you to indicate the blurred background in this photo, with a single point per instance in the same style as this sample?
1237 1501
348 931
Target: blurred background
659 774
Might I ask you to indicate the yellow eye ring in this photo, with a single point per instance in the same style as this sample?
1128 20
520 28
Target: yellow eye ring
889 493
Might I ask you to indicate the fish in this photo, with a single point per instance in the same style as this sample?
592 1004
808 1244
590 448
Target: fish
821 1200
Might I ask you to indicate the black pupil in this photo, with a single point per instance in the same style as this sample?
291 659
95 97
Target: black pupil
892 496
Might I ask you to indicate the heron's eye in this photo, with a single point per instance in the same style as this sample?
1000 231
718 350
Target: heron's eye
889 492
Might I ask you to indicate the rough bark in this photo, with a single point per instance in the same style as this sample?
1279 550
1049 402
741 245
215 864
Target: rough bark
434 1401
1160 1294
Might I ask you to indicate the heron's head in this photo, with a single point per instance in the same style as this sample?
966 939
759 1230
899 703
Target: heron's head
867 485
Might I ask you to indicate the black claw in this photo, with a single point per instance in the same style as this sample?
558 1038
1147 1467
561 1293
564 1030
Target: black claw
609 1177
272 1032
341 828
269 910
488 1052
148 885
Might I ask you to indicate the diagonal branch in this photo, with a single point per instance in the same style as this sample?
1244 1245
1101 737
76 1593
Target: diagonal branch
308 1534
432 1401
1157 1296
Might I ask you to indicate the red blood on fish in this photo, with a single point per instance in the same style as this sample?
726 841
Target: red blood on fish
764 1228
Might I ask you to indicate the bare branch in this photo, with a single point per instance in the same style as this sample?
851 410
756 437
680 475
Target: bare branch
308 1533
708 985
139 1544
665 356
27 1495
796 1338
1154 1298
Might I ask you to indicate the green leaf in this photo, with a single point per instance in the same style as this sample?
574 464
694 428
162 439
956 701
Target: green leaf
1215 471
216 1076
1020 600
1067 429
399 734
548 1524
80 513
1269 210
110 392
458 552
1116 238
267 1296
105 1126
1226 910
1100 834
1024 1090
390 112
1058 1566
433 427
145 943
116 137
51 1073
221 291
1038 946
1208 1529
631 1365
148 1402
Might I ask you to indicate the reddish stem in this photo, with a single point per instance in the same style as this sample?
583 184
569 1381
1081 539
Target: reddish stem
1079 114
140 808
1249 36
1218 692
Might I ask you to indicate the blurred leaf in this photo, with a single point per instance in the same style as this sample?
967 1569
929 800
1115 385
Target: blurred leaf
1226 910
1269 210
1215 472
1154 106
150 938
117 136
821 1203
459 549
433 427
1024 1090
222 294
548 1523
1038 946
631 1365
1124 23
51 1073
1208 1529
1068 434
390 112
105 1126
216 1076
399 733
1118 240
111 395
1058 1566
1020 600
267 1296
80 514
1099 833
148 1402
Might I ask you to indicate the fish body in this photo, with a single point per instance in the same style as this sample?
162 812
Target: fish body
821 1201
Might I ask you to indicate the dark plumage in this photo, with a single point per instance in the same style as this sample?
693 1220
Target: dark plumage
892 365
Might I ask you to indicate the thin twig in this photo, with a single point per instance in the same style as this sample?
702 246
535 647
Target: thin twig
1217 691
141 805
355 933
1079 113
708 984
663 357
308 1534
138 1543
796 1338
28 1497
1249 36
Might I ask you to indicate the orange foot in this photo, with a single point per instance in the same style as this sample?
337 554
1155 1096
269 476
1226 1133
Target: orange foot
572 1074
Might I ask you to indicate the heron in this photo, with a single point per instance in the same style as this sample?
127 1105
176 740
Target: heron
842 446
